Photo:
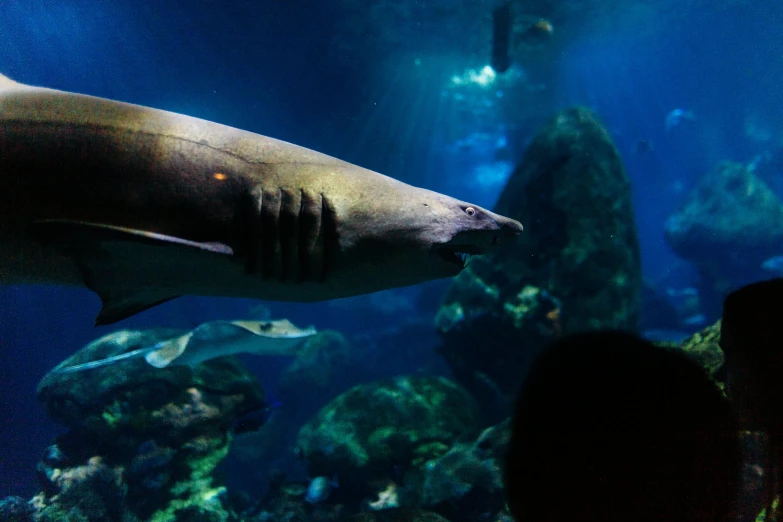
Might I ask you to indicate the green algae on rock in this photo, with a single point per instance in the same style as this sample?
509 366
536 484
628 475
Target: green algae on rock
365 432
704 349
166 429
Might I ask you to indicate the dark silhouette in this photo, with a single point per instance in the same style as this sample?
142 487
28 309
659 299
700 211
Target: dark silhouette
751 333
610 427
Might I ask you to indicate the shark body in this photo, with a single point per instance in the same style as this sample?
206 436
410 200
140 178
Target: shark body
142 205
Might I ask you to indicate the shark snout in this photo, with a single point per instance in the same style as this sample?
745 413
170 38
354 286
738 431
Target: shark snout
495 231
506 230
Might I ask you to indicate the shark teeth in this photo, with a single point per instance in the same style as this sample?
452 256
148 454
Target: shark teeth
456 257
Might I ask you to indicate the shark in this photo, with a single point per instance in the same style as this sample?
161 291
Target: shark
142 206
211 340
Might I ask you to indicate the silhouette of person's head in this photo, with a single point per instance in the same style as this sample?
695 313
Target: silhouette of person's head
610 427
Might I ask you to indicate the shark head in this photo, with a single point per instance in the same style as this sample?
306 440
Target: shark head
399 235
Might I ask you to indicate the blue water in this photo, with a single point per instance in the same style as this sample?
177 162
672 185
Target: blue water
266 67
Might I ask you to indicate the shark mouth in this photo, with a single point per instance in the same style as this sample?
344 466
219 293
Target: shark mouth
458 255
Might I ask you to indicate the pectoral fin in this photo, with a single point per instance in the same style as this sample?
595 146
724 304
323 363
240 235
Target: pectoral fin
165 352
131 270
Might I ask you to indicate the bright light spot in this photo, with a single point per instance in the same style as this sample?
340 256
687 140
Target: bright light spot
218 176
483 77
417 61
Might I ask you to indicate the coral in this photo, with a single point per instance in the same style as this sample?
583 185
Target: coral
196 493
466 483
456 473
704 349
143 443
15 509
93 491
368 431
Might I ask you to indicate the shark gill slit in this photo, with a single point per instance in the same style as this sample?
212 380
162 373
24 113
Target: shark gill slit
270 246
277 256
310 233
294 268
301 240
252 230
290 210
328 235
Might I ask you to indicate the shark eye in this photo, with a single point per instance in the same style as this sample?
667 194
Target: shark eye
470 211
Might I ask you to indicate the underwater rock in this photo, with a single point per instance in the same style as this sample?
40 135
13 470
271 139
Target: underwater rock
396 515
143 442
135 398
374 433
93 491
466 483
703 348
489 338
319 365
580 242
285 502
15 509
325 366
576 267
731 223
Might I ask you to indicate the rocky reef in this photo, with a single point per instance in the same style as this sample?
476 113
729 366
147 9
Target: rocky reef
397 449
703 348
372 433
731 223
396 515
575 268
142 443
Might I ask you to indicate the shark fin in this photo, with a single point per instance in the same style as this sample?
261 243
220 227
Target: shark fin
130 270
